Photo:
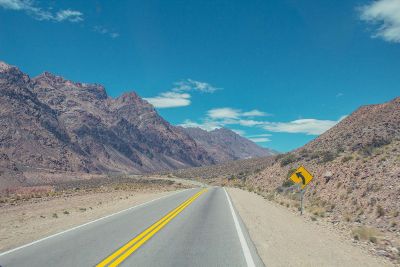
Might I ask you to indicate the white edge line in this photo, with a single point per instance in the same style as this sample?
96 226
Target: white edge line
82 225
243 243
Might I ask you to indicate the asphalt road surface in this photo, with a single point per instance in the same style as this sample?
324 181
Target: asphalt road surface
195 227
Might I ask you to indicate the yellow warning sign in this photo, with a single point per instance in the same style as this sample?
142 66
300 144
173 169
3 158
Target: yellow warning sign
301 176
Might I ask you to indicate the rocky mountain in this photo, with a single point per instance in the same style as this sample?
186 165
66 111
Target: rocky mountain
368 127
49 122
52 123
356 168
225 145
356 165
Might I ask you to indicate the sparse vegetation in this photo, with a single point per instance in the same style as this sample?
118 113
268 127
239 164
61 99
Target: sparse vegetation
395 213
338 185
270 196
318 211
287 159
290 172
380 211
287 183
366 234
327 156
371 148
347 217
347 158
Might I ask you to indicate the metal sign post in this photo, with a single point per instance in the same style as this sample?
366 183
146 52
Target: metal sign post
301 201
301 177
301 190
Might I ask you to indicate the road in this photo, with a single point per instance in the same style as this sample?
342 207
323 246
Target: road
195 227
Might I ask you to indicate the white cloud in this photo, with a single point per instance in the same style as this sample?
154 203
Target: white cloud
259 139
192 85
222 117
385 14
205 125
114 35
223 113
38 13
260 135
170 100
231 113
249 123
70 15
255 113
14 4
179 96
105 31
306 126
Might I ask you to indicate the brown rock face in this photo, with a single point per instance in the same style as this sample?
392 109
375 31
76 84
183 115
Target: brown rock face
51 123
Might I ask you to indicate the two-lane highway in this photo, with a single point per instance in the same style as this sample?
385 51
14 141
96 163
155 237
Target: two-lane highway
196 227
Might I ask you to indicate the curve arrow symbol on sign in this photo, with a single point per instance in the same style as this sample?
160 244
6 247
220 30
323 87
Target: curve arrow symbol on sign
300 175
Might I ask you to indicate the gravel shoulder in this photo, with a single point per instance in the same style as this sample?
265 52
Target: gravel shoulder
285 239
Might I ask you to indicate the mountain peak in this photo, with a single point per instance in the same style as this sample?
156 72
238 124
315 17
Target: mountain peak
47 79
224 130
12 74
50 78
4 66
131 98
48 75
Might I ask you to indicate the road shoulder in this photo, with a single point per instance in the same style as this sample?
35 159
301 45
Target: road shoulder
285 239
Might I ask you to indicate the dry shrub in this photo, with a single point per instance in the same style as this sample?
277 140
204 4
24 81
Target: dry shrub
318 211
380 211
366 233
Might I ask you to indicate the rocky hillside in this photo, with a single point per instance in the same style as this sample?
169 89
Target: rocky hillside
51 123
356 165
225 145
356 168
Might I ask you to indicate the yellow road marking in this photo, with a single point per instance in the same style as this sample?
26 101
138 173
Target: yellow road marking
140 239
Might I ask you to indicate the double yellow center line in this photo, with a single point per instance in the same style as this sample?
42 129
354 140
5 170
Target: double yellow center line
126 250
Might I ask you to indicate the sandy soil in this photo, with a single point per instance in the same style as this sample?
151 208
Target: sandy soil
30 221
285 239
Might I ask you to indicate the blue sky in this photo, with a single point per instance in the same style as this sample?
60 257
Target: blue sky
279 72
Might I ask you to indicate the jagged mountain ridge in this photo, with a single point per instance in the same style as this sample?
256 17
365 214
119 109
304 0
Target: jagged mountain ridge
49 122
225 145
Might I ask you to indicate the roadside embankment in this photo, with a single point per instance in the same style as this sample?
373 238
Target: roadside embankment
286 239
